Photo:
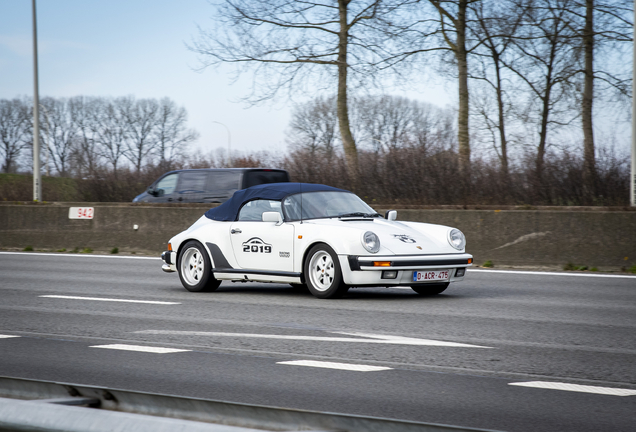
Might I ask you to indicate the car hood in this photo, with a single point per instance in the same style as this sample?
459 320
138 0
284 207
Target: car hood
400 238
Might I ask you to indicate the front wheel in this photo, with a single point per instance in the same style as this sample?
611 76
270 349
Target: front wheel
430 289
194 269
322 273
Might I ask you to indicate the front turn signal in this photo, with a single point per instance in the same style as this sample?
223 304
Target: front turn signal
381 263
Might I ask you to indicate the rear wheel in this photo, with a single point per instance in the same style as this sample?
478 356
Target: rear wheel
322 273
195 269
430 289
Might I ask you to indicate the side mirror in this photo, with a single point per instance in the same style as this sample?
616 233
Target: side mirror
390 215
272 217
150 191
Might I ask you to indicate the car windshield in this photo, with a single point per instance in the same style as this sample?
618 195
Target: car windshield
316 205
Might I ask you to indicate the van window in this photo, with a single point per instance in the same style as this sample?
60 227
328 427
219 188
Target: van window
253 178
224 182
193 181
168 183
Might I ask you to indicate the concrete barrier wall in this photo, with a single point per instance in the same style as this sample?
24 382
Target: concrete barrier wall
596 238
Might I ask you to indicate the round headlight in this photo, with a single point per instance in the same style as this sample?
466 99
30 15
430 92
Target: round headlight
457 239
371 242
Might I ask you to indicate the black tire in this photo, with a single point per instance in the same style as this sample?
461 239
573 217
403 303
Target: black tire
430 289
195 269
322 272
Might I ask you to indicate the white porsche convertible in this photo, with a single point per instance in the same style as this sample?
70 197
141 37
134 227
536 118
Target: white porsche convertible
315 235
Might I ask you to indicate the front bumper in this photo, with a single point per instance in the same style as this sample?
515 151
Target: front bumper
169 261
360 270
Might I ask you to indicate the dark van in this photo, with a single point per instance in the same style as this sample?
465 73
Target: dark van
213 185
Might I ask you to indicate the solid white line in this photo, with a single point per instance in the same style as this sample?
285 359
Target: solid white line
538 273
369 338
155 350
69 255
330 365
576 388
8 336
110 300
524 272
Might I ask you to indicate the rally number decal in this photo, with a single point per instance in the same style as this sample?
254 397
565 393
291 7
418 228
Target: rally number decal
256 245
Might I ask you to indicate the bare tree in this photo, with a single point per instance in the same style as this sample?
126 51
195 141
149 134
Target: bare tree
380 123
15 131
495 27
314 126
108 127
171 132
87 156
602 24
60 131
303 45
547 61
454 17
140 118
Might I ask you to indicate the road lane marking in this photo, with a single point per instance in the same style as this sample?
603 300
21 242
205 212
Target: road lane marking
69 255
576 388
155 350
362 338
331 365
8 336
538 273
110 300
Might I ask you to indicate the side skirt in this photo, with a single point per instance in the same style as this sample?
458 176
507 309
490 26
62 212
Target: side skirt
256 275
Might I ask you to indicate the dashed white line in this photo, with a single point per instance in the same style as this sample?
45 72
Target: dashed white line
155 350
110 300
331 365
8 336
361 338
576 388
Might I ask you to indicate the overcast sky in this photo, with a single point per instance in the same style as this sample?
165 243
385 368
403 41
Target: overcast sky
135 47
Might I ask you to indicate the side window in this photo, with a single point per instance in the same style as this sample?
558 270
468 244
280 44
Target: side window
253 210
167 184
193 181
224 182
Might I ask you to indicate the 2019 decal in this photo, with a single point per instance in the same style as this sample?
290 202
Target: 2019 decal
256 245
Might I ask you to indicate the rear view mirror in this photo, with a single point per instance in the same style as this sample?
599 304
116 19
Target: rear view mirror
272 217
390 215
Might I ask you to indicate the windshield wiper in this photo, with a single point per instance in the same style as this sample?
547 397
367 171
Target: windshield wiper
359 214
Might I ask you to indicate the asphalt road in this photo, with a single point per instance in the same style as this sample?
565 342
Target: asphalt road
449 359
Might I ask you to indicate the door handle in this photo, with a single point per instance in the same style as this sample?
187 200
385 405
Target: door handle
169 199
180 198
236 231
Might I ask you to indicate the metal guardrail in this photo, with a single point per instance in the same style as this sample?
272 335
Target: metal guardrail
30 405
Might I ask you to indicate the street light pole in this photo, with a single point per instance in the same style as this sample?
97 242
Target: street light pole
37 181
229 142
